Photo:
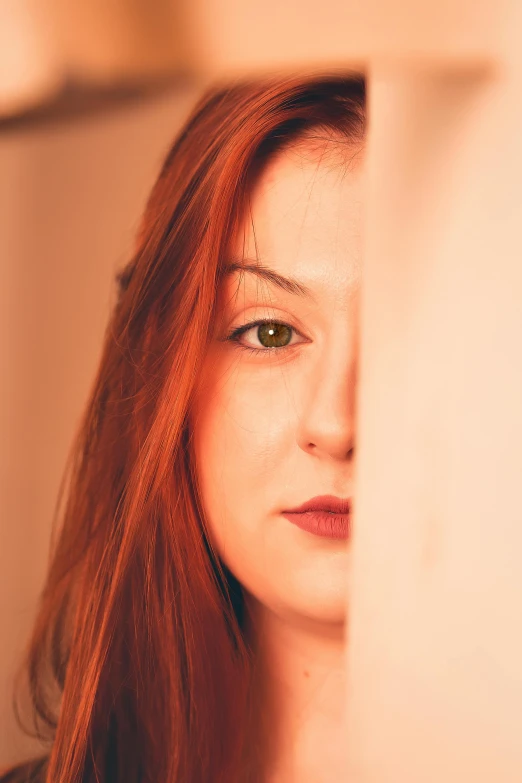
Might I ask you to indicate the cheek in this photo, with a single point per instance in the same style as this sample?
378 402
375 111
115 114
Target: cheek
244 438
242 434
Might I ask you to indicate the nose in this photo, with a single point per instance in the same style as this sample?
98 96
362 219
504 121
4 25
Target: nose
327 423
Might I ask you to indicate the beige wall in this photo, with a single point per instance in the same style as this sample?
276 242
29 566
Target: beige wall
71 193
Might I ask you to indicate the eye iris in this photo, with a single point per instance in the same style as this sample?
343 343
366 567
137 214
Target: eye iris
273 335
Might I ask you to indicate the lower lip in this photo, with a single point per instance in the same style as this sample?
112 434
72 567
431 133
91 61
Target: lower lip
321 523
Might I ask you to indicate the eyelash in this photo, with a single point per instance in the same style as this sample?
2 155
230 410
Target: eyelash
240 330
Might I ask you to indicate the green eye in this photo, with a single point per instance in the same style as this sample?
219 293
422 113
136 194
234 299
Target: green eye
274 335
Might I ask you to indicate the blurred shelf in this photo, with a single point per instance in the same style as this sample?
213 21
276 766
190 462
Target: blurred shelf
75 101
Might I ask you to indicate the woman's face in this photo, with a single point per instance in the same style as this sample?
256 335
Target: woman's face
273 418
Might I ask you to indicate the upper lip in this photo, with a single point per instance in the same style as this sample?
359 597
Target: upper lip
329 503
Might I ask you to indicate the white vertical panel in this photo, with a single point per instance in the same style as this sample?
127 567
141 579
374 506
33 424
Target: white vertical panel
435 652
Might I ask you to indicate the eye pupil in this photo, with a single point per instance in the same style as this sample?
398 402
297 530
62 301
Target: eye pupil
272 335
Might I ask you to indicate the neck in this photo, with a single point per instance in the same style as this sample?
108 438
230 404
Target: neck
298 696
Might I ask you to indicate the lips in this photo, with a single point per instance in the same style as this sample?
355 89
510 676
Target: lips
327 503
326 516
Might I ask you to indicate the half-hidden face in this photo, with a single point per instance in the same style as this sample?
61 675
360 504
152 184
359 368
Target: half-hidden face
274 415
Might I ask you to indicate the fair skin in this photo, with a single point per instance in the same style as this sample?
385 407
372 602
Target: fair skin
275 428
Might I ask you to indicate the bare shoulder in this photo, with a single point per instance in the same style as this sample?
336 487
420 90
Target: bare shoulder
27 772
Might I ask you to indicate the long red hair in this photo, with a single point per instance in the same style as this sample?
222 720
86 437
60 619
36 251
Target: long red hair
138 666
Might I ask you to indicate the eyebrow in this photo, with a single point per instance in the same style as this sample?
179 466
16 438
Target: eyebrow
288 284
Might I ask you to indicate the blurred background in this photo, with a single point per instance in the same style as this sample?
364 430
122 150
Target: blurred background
92 94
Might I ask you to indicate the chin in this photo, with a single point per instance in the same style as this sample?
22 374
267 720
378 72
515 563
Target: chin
320 591
327 609
301 586
313 604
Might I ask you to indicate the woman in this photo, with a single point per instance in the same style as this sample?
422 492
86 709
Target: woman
192 627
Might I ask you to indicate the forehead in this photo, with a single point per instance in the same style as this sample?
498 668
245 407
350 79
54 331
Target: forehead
304 216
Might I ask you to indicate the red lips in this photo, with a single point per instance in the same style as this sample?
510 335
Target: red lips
325 516
328 503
